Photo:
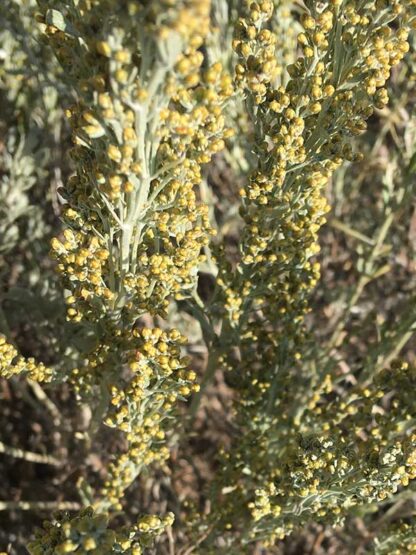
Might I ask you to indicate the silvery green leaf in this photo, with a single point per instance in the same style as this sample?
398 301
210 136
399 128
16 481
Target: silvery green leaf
56 18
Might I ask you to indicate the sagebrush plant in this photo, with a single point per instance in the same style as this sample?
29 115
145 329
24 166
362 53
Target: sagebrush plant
156 97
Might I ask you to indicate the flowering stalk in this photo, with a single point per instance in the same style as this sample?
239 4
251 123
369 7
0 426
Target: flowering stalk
147 116
306 129
302 133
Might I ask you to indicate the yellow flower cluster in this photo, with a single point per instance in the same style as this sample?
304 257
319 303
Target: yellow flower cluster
304 130
302 133
82 264
154 356
12 364
140 375
142 131
140 408
89 533
148 115
356 449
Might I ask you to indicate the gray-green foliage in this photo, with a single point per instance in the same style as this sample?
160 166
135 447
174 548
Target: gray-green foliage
33 163
321 430
29 114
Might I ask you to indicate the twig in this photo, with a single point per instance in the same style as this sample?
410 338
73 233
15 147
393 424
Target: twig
206 380
337 224
49 405
191 549
29 455
171 540
365 278
40 505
